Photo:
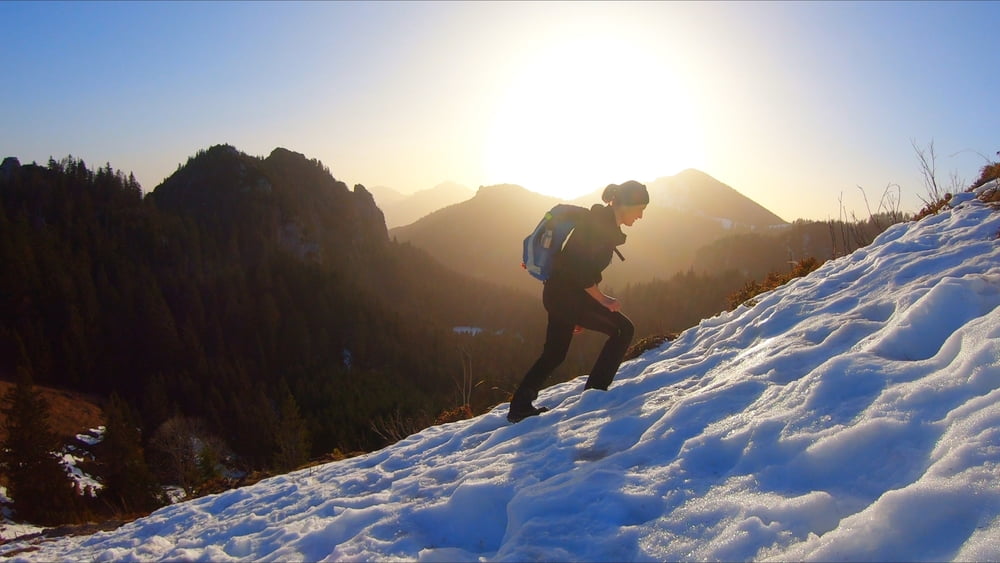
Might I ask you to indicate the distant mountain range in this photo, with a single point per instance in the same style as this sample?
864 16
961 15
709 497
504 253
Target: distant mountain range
482 236
402 209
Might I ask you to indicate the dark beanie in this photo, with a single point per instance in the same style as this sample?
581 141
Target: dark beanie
629 193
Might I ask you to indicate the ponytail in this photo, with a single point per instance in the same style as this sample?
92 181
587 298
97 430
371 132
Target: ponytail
629 193
610 193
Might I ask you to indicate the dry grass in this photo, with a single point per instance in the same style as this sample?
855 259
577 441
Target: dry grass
773 280
933 207
463 412
69 413
991 197
648 343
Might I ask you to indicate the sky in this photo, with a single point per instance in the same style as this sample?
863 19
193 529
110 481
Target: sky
807 108
850 415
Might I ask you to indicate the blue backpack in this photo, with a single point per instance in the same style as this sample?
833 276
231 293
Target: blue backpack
549 237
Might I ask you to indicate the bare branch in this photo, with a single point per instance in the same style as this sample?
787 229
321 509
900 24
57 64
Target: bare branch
928 169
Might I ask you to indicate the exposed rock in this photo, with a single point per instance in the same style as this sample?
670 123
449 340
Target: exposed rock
9 167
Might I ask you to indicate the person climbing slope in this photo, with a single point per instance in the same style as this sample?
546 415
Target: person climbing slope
573 298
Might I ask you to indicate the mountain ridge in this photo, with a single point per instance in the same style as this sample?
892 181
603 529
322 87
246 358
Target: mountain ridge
286 194
692 189
482 236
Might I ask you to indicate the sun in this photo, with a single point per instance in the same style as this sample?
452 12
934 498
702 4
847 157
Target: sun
588 112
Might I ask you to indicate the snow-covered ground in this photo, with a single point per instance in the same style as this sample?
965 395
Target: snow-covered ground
853 414
70 458
9 529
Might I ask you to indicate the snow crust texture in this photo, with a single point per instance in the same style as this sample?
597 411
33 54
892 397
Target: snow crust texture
853 414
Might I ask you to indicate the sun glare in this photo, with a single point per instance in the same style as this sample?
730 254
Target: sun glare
589 112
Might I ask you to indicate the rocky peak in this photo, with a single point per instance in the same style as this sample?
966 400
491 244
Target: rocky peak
370 214
9 167
286 199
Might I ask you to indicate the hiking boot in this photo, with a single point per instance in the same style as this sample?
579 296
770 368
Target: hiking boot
517 413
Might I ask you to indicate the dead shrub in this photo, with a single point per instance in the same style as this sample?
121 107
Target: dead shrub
463 412
753 288
648 343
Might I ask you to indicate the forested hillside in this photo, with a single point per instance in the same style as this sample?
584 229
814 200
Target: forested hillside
238 283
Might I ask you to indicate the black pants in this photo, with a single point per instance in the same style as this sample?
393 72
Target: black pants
569 307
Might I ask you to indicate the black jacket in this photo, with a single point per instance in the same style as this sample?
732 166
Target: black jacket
589 249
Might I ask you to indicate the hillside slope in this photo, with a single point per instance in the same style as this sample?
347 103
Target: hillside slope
236 282
481 237
70 413
852 414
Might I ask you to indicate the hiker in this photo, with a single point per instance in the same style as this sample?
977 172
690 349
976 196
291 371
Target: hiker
574 300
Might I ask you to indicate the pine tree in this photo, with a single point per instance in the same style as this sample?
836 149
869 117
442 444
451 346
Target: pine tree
129 485
291 435
40 488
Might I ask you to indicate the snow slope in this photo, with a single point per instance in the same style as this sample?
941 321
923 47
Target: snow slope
851 415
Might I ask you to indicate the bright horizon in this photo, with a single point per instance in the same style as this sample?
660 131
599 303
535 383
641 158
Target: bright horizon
795 105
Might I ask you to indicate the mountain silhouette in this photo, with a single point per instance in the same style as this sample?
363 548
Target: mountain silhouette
482 237
291 201
696 192
406 209
385 195
292 204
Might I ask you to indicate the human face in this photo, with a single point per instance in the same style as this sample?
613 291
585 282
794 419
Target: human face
629 214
